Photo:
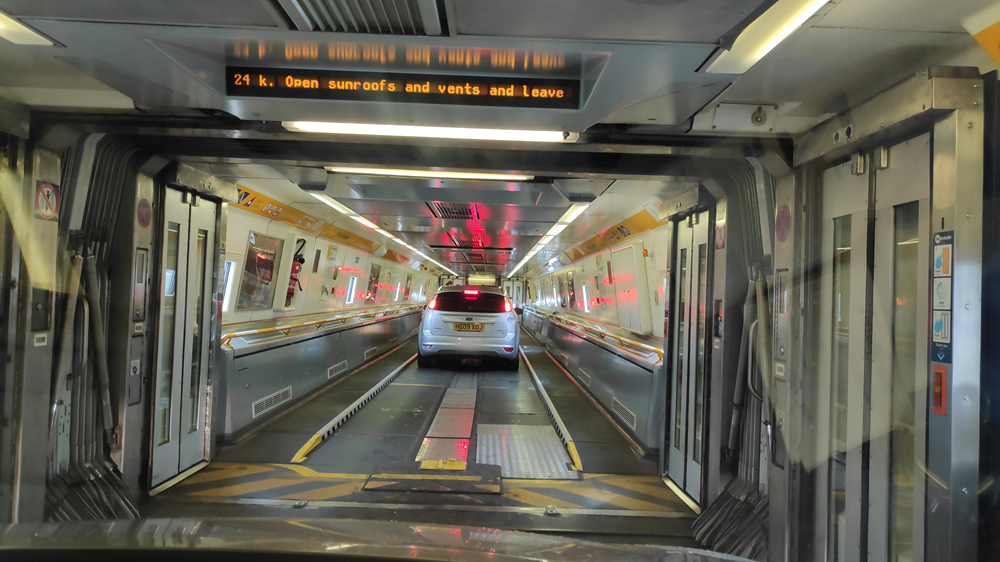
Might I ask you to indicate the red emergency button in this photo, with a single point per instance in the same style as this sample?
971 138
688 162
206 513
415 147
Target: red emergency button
939 390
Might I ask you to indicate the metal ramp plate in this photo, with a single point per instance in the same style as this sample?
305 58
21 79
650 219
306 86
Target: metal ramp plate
408 477
465 381
443 449
524 451
459 398
455 423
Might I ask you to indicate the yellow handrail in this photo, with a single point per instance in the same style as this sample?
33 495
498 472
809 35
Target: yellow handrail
315 323
624 342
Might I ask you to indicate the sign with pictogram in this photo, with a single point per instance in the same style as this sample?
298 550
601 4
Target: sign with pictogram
47 201
720 237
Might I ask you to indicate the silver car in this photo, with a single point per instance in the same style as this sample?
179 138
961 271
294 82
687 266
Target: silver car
469 321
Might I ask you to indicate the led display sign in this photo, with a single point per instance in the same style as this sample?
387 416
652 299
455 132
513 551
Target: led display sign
442 89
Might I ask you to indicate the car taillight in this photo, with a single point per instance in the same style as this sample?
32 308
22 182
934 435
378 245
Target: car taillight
507 307
471 291
432 304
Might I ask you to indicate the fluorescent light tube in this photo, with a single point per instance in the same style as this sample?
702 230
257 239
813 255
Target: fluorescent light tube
429 132
364 221
573 212
556 229
384 233
435 174
15 32
545 239
764 34
333 203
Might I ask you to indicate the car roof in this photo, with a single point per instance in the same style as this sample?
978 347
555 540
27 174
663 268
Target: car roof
455 288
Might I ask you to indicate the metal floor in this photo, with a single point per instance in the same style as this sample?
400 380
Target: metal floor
368 468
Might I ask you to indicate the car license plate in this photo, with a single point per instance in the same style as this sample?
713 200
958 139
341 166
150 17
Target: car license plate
469 327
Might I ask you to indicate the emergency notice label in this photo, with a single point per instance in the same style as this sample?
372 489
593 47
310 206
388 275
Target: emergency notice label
941 297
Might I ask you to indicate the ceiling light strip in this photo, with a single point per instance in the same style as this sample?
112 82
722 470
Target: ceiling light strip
460 133
432 174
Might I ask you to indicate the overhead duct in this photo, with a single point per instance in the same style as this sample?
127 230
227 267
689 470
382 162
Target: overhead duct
381 17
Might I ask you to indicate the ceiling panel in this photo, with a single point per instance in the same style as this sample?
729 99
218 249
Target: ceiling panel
229 13
703 21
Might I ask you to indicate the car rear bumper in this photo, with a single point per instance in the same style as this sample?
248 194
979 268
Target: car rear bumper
469 346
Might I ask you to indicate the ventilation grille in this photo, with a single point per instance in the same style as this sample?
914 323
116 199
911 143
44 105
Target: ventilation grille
383 17
462 211
565 359
228 13
413 332
336 369
271 402
371 353
624 413
584 377
393 341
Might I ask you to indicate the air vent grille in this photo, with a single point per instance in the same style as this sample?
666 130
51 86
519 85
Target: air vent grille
270 402
336 369
626 415
371 353
461 211
382 17
393 342
584 377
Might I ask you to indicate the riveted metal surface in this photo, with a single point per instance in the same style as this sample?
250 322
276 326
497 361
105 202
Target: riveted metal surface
459 398
452 422
524 451
443 449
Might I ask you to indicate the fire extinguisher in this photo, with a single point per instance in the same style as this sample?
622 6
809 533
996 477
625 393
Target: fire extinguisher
293 280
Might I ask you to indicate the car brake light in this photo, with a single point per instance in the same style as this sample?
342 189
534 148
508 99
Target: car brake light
432 304
508 349
507 307
471 291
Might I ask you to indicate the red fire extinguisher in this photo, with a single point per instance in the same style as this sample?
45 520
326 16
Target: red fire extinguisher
293 280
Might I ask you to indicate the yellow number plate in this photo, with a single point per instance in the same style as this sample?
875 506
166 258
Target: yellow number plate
469 327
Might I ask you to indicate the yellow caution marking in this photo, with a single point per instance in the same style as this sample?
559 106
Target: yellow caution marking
492 488
426 477
225 473
574 456
650 486
415 384
326 493
379 484
450 464
535 499
310 473
313 442
247 488
618 500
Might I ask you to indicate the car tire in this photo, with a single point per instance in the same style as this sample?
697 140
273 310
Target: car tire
512 364
425 362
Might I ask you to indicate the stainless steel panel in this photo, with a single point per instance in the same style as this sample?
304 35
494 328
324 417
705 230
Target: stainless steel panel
953 439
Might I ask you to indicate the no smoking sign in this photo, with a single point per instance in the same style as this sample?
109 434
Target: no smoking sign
47 201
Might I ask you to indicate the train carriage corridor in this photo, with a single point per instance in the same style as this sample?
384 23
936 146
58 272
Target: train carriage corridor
536 280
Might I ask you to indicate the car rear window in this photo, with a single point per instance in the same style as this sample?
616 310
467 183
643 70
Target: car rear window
460 302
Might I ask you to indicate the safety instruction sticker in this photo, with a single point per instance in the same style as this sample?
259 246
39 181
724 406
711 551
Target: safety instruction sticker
941 297
942 293
942 253
47 201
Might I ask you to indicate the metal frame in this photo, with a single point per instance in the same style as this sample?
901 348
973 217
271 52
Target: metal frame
947 102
